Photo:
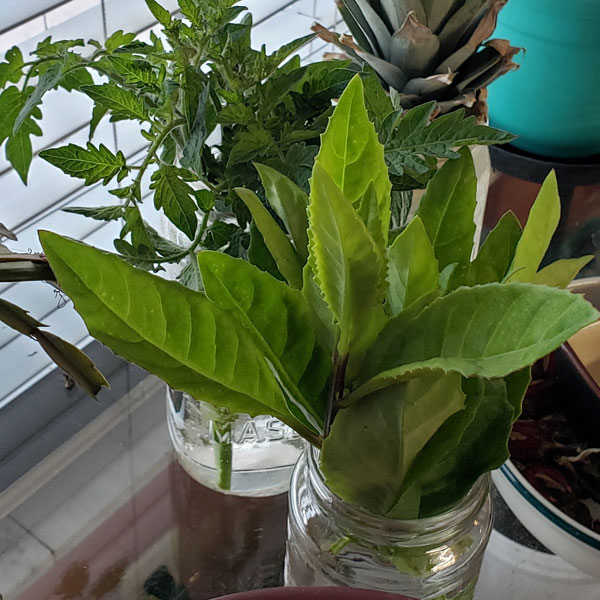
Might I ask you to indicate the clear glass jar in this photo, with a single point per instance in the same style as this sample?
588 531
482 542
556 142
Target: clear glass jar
334 543
232 453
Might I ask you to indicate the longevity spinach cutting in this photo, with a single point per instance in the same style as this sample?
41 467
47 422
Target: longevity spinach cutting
402 359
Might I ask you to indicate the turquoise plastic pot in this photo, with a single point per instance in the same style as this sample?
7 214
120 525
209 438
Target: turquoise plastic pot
553 101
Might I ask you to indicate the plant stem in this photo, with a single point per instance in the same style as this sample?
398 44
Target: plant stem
224 454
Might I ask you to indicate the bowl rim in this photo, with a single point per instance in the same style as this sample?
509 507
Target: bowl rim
547 509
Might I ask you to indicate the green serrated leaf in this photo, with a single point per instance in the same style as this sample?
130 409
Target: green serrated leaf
92 164
19 153
276 317
118 39
353 157
290 203
12 68
393 424
411 138
412 268
10 105
538 231
175 197
100 213
277 242
122 103
47 81
346 262
166 328
487 331
205 199
447 210
161 14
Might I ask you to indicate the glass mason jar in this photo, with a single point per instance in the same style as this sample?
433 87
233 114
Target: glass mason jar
334 543
232 453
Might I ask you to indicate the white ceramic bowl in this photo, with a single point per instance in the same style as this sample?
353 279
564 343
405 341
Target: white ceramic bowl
561 534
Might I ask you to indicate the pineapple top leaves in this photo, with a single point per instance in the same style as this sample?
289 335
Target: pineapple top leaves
405 363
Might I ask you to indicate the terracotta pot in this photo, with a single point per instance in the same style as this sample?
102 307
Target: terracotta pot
313 593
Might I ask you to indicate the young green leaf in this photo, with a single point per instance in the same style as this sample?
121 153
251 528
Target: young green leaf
92 164
166 328
393 425
276 317
487 331
412 268
122 103
447 210
562 272
348 267
10 105
353 157
162 15
175 197
19 151
277 242
539 229
11 69
118 39
494 257
290 203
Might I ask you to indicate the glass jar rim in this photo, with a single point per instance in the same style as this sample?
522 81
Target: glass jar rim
368 525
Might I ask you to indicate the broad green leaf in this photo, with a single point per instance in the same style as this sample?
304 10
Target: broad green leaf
161 14
122 103
487 331
92 164
68 357
135 71
494 257
250 145
353 157
412 268
377 100
482 447
259 255
98 112
346 262
539 229
516 386
562 272
175 197
373 443
47 81
277 242
290 203
19 152
174 332
447 210
276 316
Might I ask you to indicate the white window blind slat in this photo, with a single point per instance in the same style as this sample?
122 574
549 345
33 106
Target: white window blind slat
13 12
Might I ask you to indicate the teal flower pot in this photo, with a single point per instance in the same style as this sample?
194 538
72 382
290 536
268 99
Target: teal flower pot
553 101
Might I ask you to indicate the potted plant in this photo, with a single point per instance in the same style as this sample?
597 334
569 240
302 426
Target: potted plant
401 361
556 121
209 105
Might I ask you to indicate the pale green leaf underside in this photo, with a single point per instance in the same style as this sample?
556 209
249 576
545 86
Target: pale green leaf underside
277 318
487 331
373 443
347 265
171 331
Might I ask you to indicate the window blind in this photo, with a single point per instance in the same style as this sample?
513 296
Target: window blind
25 210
